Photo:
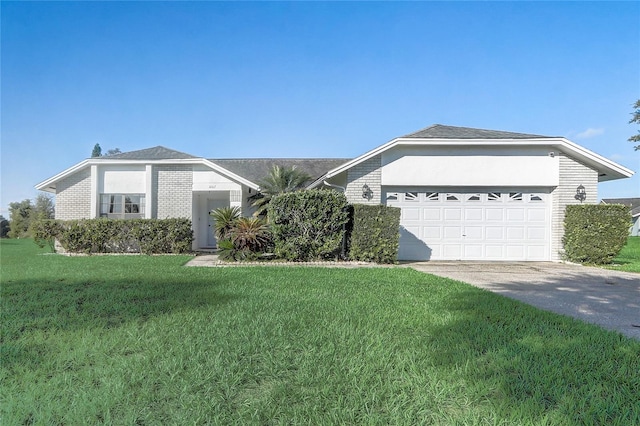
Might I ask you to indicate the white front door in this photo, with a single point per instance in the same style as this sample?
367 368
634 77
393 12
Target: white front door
499 225
212 204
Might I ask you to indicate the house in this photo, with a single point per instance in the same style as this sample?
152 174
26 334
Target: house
465 194
634 206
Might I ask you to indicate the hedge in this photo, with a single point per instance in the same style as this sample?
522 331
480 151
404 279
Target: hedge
595 233
308 225
374 233
149 236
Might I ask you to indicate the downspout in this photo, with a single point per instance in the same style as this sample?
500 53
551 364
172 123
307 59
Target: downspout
343 250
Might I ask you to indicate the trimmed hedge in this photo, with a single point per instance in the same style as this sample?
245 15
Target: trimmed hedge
375 233
149 236
595 233
308 225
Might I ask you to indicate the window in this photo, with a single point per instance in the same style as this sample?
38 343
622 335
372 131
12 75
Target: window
122 206
535 198
432 196
473 197
392 196
515 196
411 196
494 196
452 197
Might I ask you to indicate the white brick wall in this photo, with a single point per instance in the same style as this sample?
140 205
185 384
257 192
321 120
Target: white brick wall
172 187
368 172
572 174
73 196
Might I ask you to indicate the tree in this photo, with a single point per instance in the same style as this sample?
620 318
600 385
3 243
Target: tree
4 227
636 119
43 207
20 218
279 180
97 151
113 151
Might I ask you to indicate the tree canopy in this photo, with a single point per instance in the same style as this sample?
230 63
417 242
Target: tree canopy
97 151
635 118
279 180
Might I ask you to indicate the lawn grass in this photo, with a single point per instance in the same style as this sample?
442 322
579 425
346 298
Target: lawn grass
629 258
144 340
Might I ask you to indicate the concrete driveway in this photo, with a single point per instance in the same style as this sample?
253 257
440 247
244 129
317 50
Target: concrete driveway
610 299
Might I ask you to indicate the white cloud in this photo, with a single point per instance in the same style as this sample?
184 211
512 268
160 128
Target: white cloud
589 133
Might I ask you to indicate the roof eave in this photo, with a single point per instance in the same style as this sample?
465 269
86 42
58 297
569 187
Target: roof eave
49 184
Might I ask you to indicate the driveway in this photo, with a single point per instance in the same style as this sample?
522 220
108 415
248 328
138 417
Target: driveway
610 299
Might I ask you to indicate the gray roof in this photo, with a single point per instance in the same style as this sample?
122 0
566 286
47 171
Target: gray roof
255 169
155 153
439 131
632 203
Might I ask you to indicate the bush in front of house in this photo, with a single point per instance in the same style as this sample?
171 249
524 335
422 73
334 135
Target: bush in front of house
89 236
595 233
374 233
308 225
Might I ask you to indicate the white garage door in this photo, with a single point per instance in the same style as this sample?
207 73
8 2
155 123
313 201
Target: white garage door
472 225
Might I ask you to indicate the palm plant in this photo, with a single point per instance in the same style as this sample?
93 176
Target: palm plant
280 179
248 239
225 219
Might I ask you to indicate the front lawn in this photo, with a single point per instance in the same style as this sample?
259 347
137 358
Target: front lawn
629 258
144 340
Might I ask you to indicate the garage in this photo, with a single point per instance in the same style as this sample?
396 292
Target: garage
509 225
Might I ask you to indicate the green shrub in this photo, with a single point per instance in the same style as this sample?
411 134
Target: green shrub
149 236
374 233
45 232
247 239
595 233
308 225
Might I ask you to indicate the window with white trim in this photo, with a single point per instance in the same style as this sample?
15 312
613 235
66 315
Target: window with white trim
122 206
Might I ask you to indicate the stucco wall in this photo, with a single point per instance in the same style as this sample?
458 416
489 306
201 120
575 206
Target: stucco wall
368 172
171 187
73 196
572 174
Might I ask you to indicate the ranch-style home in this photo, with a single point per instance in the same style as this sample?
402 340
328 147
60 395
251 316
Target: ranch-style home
464 194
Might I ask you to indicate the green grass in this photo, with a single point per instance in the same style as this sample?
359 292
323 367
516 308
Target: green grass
629 258
144 340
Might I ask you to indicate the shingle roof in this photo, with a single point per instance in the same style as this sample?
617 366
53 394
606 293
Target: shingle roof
155 153
632 203
439 131
255 169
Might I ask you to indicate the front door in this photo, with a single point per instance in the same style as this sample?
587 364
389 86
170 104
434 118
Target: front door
212 204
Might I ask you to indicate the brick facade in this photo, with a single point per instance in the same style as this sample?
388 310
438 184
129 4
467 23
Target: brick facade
368 172
572 174
73 196
172 191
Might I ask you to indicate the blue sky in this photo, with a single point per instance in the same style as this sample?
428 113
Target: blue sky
314 79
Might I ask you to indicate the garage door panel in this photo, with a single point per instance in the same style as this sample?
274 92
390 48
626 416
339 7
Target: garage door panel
473 214
452 232
536 252
473 251
452 251
432 232
410 213
494 252
515 251
475 226
452 214
515 214
494 214
494 233
536 233
536 215
473 232
515 233
432 214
